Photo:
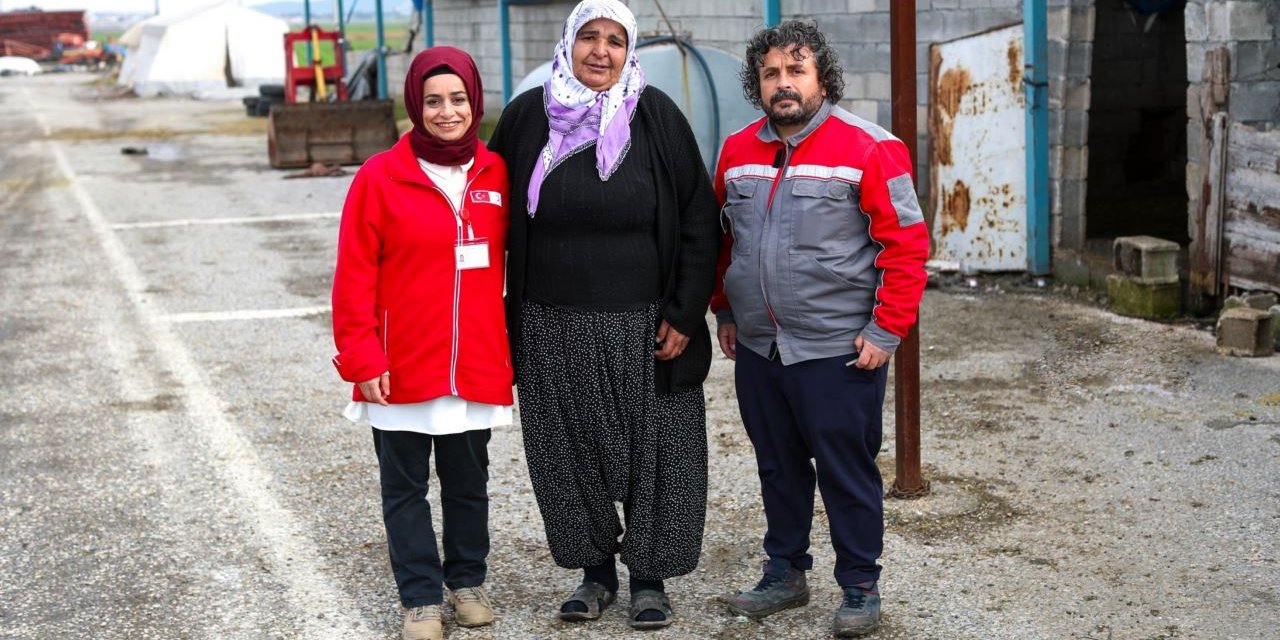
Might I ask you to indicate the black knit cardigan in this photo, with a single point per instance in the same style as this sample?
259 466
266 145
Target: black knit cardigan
688 227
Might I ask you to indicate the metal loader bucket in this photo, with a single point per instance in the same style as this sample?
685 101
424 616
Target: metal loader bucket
304 133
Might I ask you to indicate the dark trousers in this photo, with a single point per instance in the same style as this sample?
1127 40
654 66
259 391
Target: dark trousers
462 465
823 411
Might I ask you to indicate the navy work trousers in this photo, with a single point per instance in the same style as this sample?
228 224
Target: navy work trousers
462 465
823 412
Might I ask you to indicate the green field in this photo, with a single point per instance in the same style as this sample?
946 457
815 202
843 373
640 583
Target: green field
361 36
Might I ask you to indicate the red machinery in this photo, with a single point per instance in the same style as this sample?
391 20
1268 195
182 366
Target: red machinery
303 133
36 34
296 75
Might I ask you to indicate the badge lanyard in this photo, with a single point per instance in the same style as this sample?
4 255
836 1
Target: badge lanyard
471 252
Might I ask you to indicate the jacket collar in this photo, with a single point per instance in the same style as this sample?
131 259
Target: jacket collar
768 134
403 165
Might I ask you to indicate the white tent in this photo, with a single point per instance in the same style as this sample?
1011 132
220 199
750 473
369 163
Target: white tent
18 66
205 49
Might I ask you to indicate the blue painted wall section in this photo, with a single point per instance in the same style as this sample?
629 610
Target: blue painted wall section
1035 80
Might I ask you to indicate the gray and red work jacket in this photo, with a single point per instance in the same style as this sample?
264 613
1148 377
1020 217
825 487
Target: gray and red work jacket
824 238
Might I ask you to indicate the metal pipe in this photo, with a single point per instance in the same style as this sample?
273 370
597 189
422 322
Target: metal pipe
306 22
428 25
1035 79
772 13
907 482
504 25
342 36
382 53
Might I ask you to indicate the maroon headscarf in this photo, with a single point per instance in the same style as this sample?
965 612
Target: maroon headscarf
425 145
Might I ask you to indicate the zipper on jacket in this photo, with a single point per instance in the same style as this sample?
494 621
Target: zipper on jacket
777 180
457 279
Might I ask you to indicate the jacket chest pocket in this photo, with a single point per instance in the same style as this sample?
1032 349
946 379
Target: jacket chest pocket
741 216
825 216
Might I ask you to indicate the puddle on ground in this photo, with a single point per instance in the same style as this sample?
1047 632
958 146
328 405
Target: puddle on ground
164 152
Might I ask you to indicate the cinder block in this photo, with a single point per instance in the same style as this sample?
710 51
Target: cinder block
1128 297
1248 21
1195 26
1146 260
1262 301
1255 101
1275 325
1246 332
1254 59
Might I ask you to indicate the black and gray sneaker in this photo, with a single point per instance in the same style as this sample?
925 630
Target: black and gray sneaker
781 587
859 614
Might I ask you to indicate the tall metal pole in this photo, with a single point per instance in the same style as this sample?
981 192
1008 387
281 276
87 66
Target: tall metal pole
342 32
1035 79
907 482
382 53
772 13
306 22
428 25
504 25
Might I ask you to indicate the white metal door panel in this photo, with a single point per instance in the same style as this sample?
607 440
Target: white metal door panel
977 159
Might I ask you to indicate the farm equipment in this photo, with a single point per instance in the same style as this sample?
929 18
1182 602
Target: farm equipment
41 35
326 128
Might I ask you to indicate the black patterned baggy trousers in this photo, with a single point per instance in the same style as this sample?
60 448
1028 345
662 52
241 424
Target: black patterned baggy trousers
596 434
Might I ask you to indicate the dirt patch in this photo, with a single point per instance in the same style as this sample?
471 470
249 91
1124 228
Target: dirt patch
993 511
310 285
161 402
76 134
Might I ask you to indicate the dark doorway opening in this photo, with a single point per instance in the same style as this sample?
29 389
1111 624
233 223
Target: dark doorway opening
1138 125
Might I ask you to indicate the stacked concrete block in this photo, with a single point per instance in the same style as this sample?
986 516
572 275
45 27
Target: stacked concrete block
1246 332
1146 283
1147 260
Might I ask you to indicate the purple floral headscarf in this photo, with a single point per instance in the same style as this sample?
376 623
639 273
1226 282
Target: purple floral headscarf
578 115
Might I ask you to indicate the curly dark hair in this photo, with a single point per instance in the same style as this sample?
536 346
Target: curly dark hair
792 36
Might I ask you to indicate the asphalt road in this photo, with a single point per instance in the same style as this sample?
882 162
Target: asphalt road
174 464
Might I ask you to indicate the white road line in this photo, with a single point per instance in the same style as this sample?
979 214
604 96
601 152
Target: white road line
191 222
292 556
241 314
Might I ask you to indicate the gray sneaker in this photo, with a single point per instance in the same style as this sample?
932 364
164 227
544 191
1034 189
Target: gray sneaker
859 614
781 587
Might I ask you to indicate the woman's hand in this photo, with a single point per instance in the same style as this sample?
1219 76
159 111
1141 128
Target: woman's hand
671 342
376 389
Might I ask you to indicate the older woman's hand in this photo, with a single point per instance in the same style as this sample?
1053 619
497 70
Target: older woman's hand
376 389
671 343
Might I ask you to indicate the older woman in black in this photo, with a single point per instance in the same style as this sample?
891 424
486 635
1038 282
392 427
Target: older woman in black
611 258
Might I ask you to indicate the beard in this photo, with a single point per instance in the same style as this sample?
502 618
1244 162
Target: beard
801 114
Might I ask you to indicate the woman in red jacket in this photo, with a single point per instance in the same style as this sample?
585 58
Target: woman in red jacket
419 325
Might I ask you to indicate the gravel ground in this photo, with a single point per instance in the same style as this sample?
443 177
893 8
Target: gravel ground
1093 476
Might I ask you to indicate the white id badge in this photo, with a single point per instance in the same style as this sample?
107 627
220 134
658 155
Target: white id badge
472 254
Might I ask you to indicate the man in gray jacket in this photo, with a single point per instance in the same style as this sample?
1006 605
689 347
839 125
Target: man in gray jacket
821 275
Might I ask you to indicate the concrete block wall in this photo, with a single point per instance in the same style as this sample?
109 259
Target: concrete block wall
1070 29
860 31
1250 32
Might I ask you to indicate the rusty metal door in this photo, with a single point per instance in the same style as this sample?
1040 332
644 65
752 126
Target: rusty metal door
977 158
